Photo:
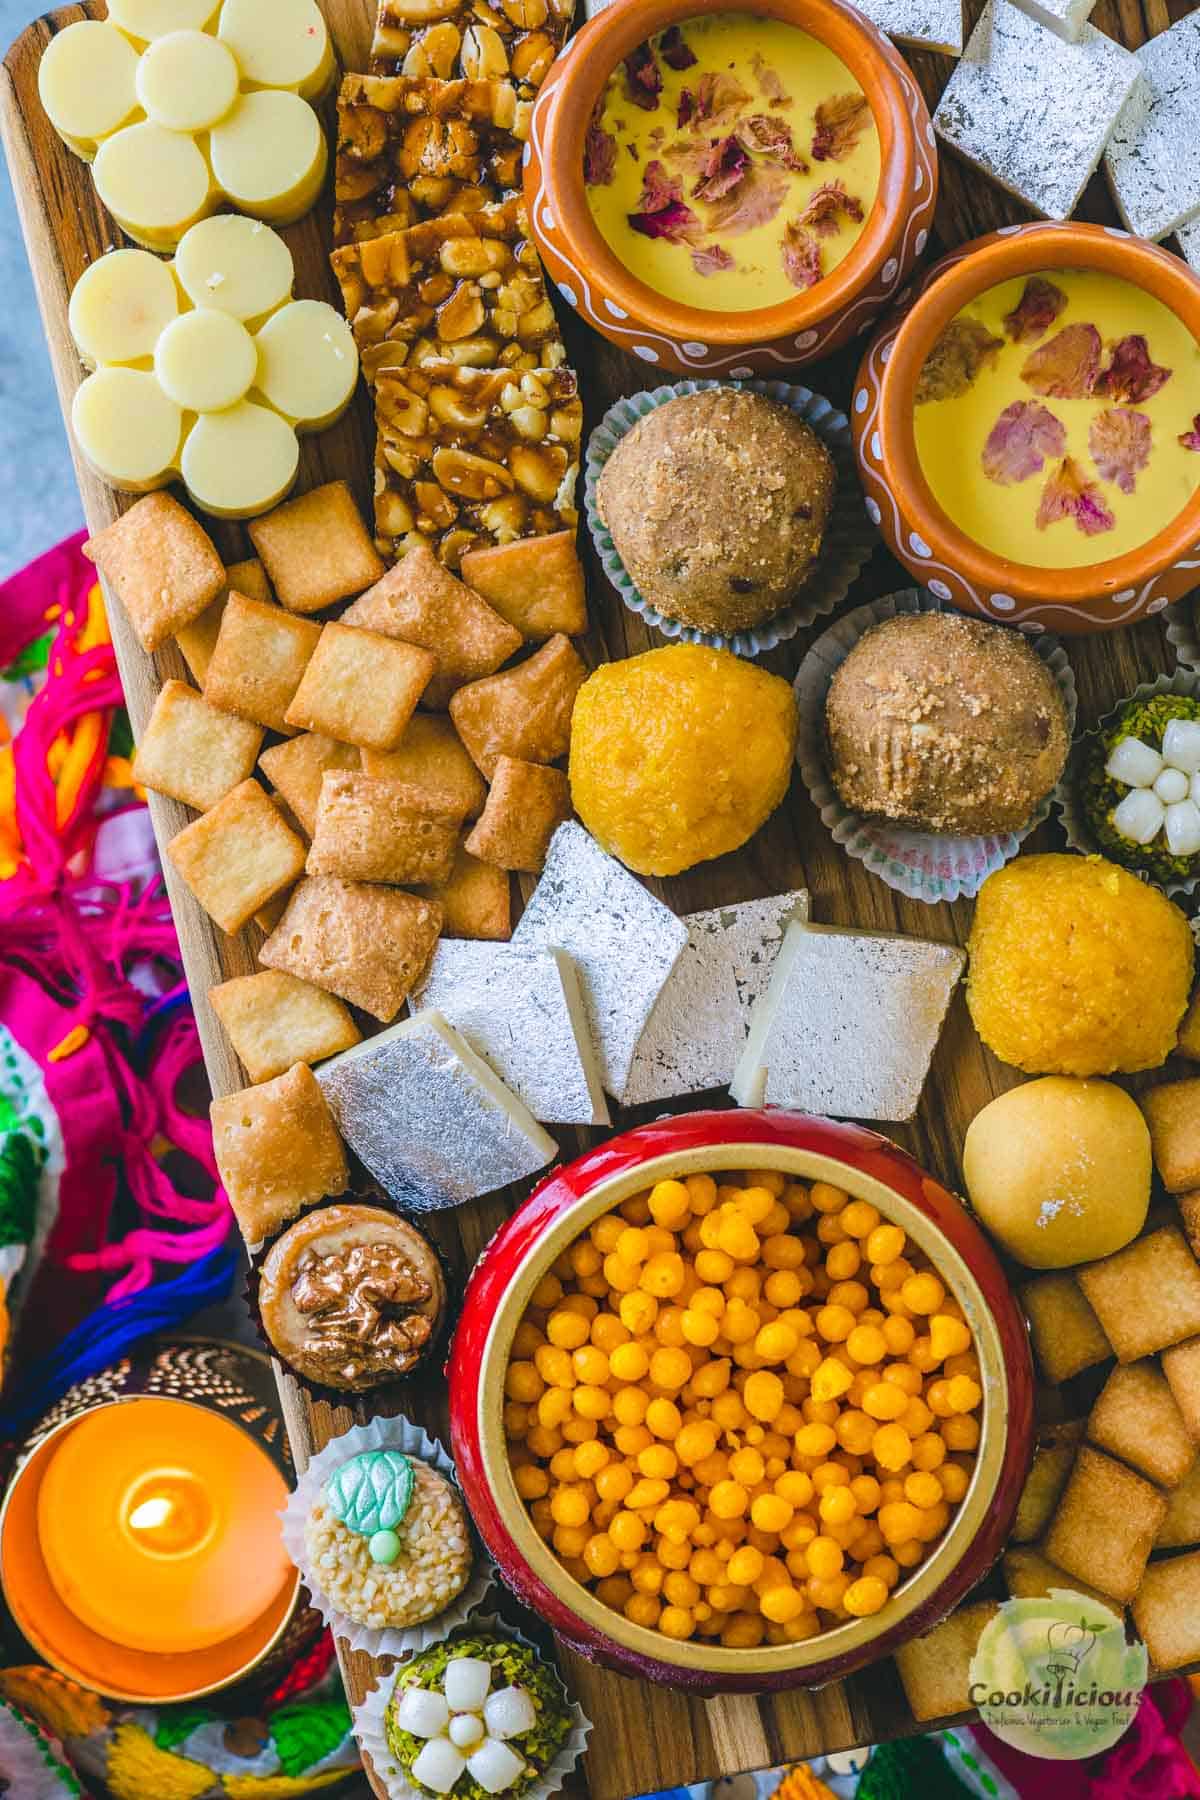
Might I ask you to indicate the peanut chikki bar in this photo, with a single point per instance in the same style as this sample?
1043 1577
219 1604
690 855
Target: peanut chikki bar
467 457
496 39
460 289
410 148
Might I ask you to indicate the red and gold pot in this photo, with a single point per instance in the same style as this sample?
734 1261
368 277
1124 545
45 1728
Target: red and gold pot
943 558
693 340
806 1149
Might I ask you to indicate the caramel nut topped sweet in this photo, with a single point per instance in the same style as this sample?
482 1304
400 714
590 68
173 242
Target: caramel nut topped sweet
411 148
496 39
461 289
351 1296
468 457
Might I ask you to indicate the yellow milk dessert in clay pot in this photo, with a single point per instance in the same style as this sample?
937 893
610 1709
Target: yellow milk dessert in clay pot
732 162
1055 419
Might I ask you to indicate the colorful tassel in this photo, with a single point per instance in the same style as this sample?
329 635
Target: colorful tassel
102 1338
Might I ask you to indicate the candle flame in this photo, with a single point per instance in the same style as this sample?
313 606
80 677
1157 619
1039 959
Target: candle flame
150 1514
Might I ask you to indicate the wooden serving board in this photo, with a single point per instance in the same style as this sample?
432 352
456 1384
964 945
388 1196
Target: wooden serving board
645 1737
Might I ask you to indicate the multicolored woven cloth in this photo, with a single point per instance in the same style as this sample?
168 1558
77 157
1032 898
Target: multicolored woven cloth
110 1210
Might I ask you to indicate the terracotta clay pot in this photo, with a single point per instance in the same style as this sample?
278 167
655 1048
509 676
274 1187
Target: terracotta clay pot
808 1149
690 340
943 558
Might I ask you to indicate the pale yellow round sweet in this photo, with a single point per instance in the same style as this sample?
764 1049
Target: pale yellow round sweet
240 462
679 755
235 265
154 182
126 428
120 306
148 19
1077 967
205 360
307 363
269 155
284 45
1059 1170
87 83
187 80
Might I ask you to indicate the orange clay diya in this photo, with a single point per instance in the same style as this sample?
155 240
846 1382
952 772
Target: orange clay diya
140 1547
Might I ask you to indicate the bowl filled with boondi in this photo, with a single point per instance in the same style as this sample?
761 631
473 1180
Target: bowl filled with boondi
741 1401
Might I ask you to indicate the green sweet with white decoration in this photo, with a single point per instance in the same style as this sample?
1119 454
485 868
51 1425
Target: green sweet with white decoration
371 1495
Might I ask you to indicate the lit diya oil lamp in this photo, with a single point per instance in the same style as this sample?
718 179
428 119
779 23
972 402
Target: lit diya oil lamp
140 1547
730 189
1027 431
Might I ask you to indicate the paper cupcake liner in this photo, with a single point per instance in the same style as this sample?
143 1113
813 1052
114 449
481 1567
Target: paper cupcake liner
1068 800
379 1434
1183 634
849 540
431 1354
368 1729
920 864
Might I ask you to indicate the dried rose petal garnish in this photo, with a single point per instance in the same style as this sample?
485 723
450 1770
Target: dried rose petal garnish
686 110
723 167
953 364
675 222
825 208
1130 376
757 197
711 259
1035 312
770 85
1191 439
599 154
1020 442
719 93
801 256
1119 442
772 139
1065 367
674 51
643 78
840 123
1070 495
661 211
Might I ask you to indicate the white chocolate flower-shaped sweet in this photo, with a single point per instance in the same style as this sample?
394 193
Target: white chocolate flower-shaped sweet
206 367
465 1724
1164 788
183 104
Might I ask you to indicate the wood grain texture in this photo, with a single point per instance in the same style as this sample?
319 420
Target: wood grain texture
644 1737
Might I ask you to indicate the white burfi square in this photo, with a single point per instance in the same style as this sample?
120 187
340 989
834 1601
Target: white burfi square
430 1120
1153 156
522 1011
849 1024
698 1028
623 942
1034 112
929 24
1065 18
